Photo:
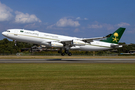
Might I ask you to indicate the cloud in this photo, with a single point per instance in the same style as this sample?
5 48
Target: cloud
122 24
108 26
78 18
64 22
5 13
95 25
50 27
76 30
31 26
25 18
85 18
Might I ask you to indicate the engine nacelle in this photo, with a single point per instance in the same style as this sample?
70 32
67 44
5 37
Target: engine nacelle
45 43
56 44
78 43
52 44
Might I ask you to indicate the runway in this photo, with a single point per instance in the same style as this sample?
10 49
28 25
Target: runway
67 60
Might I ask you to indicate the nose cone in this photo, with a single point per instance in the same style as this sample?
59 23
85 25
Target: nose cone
4 33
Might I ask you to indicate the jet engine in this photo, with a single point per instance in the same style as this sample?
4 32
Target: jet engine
56 44
52 44
78 43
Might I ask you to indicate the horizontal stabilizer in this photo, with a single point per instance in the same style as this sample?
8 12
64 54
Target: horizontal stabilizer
116 46
91 39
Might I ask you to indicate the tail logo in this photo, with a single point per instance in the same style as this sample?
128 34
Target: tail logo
115 37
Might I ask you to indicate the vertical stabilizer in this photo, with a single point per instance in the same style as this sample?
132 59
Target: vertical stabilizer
115 37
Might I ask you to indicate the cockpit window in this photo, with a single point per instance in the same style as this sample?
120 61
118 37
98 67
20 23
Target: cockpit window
8 31
21 31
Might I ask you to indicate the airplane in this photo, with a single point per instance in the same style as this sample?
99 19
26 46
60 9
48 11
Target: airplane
66 43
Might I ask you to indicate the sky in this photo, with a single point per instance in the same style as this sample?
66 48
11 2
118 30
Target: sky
77 18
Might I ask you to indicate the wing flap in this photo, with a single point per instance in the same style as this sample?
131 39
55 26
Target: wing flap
67 43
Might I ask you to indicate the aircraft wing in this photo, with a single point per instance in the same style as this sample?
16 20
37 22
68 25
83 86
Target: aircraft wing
67 42
79 41
91 39
71 43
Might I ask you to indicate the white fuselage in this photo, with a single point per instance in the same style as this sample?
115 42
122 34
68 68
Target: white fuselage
54 40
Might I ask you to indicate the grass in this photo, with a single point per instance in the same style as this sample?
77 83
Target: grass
67 76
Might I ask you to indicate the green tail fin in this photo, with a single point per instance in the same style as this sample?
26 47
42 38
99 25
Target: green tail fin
115 37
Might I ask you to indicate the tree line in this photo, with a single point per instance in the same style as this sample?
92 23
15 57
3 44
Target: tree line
9 47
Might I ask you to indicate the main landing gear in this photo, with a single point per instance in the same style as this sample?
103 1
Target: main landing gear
65 52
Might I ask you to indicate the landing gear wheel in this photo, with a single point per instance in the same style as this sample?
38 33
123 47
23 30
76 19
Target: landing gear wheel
59 51
63 54
66 51
69 54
